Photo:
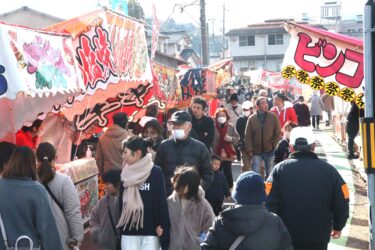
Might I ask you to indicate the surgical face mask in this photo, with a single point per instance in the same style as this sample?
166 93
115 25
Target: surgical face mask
222 120
246 113
178 134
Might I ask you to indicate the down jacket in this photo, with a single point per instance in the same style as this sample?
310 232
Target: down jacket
262 230
174 153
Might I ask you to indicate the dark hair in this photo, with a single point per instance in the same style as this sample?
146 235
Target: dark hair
45 154
281 96
22 163
154 124
171 111
187 177
36 124
199 100
120 119
152 110
290 124
215 157
6 150
135 143
259 99
303 148
113 176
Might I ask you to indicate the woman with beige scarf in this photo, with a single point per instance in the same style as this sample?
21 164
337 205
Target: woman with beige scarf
144 221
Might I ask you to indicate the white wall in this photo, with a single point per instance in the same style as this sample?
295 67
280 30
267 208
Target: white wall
261 46
29 19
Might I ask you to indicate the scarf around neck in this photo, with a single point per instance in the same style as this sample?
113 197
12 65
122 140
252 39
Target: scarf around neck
223 144
132 176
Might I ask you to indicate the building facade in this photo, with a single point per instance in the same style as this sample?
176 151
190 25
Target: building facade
258 46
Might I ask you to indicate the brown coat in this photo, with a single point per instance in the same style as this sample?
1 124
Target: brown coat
328 102
232 132
187 224
108 153
258 140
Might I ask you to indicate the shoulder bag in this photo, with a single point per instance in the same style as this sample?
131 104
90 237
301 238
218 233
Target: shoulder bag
23 237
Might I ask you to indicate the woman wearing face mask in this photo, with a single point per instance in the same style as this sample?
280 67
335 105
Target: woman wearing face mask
282 150
225 138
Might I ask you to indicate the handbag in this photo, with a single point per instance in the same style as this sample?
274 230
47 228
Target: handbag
23 237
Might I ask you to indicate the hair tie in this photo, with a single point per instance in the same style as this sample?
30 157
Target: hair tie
45 158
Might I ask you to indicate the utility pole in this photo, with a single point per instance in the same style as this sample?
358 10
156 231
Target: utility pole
224 45
368 123
213 34
204 37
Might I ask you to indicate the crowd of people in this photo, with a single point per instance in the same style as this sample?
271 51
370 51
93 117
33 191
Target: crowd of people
166 178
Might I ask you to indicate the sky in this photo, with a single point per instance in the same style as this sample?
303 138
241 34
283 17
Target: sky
238 13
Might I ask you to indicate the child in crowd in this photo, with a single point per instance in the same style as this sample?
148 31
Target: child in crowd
105 214
190 214
282 150
219 187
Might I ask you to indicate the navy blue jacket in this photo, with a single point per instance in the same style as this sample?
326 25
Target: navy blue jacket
218 188
155 208
310 196
190 152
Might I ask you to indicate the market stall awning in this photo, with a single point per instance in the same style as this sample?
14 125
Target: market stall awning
37 71
325 61
111 51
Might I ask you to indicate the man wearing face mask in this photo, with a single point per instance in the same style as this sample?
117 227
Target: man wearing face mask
247 111
183 150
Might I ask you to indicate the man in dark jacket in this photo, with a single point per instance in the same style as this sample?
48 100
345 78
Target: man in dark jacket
261 230
352 128
183 150
247 111
308 194
302 112
203 126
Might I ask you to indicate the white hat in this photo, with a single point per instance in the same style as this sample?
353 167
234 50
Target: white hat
247 105
302 133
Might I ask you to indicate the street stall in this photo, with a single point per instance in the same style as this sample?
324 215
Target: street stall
327 62
37 71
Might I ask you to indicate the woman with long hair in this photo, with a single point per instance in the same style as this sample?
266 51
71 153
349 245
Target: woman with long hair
225 138
24 206
63 196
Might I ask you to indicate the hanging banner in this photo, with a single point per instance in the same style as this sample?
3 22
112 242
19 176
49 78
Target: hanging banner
169 84
37 70
325 61
155 32
224 71
111 50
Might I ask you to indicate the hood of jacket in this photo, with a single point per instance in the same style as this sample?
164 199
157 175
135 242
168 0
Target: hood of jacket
244 220
114 131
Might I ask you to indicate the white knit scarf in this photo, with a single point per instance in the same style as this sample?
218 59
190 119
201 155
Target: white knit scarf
132 177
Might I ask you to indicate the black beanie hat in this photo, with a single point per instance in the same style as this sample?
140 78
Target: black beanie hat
113 176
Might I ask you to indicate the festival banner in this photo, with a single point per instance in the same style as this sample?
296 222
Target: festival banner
111 50
325 61
37 70
170 92
224 72
155 32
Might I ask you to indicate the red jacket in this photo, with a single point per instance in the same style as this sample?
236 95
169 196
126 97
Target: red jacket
287 114
25 139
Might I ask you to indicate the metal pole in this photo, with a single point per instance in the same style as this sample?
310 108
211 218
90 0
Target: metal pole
369 101
204 36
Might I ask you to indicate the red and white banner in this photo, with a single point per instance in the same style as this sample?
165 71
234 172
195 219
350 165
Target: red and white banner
325 61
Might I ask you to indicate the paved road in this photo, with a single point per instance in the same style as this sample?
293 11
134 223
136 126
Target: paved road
327 149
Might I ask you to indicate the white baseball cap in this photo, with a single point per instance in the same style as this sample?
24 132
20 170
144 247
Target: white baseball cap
247 105
305 133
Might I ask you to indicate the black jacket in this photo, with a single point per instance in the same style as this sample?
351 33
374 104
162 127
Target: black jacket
303 114
218 188
190 152
241 127
155 208
281 152
263 230
352 120
310 196
204 129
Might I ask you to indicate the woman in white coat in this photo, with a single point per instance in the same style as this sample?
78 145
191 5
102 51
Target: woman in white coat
63 196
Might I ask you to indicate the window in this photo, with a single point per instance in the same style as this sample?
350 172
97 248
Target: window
275 39
178 47
246 41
